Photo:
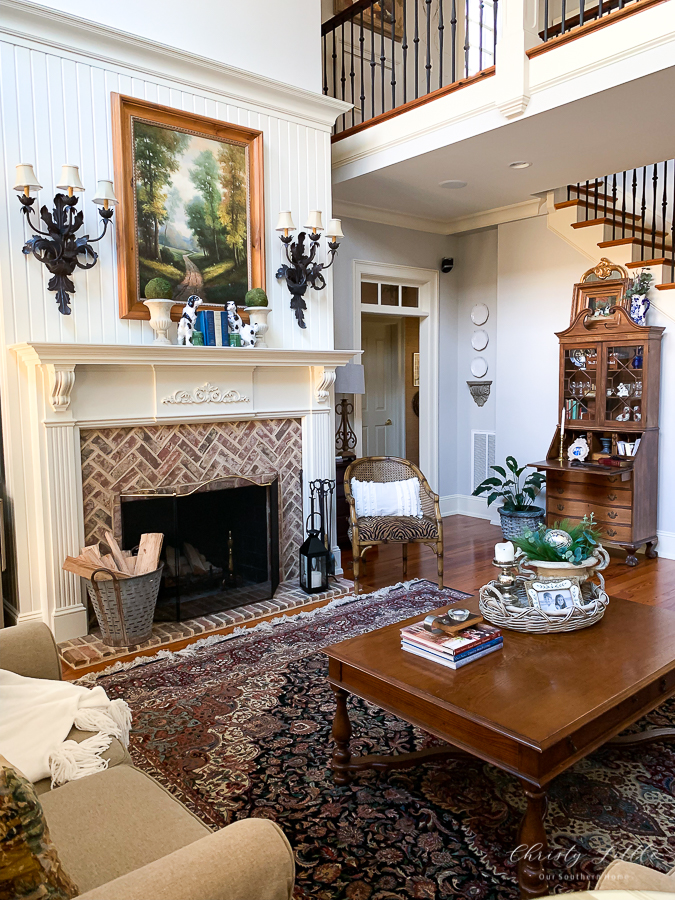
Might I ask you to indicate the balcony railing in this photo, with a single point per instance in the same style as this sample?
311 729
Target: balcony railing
565 16
380 56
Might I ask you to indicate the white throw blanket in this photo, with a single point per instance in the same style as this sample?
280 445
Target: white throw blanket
36 716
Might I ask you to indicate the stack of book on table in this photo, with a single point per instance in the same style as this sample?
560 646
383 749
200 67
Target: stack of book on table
452 650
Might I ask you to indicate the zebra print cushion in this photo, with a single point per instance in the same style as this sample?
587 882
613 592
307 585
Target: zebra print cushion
396 528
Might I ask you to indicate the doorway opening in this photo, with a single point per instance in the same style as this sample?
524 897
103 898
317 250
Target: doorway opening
396 324
390 405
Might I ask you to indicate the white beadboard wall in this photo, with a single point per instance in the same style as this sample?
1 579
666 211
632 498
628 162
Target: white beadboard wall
56 109
56 77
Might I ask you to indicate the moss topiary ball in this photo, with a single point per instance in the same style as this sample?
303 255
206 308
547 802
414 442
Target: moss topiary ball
256 297
158 289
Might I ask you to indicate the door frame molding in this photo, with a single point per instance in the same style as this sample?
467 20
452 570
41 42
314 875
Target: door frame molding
427 280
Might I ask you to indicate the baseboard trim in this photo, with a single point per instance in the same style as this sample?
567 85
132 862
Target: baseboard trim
467 505
666 544
69 622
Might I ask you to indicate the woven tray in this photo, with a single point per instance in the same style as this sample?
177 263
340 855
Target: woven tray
531 619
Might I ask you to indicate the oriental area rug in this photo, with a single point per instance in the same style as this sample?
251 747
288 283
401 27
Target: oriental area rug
240 727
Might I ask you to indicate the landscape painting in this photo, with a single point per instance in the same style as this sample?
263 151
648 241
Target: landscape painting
191 213
191 210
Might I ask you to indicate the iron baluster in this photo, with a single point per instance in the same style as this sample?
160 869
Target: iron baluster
453 37
383 56
587 201
404 51
480 36
563 17
545 20
599 9
655 185
343 78
643 217
614 207
352 73
494 33
372 60
428 65
393 57
334 67
623 204
606 190
634 186
416 42
466 39
325 70
664 204
363 83
441 29
595 197
581 12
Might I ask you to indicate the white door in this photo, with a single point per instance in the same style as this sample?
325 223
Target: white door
382 410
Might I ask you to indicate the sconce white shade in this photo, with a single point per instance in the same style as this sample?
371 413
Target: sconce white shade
105 195
285 222
25 178
334 229
70 178
314 220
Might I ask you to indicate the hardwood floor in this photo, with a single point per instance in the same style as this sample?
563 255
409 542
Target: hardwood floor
469 549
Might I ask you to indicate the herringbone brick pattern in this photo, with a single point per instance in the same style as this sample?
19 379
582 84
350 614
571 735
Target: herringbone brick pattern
124 460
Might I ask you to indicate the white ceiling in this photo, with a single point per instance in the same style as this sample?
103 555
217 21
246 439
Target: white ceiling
629 125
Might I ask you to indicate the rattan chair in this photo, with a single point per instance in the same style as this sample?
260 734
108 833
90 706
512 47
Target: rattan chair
369 531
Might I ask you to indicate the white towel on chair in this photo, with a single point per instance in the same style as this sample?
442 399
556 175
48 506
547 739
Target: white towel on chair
36 716
387 498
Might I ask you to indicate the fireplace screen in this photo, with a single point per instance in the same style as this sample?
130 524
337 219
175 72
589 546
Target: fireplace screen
221 544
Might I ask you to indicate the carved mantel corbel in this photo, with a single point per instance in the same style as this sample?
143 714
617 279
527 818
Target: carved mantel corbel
61 383
324 379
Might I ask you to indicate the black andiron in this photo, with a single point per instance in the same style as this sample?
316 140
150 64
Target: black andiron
302 271
59 248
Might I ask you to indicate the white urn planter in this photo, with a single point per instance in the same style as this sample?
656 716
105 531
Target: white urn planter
160 319
257 315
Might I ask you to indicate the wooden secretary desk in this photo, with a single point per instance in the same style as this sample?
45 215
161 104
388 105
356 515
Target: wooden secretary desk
610 370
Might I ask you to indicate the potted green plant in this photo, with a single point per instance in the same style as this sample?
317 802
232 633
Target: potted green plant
518 513
257 308
567 549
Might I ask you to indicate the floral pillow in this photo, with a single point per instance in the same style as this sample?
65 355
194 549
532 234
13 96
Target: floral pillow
30 868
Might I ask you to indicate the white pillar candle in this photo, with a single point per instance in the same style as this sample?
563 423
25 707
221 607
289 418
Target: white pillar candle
505 553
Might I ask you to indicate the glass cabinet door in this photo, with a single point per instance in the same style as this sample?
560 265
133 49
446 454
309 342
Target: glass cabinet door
624 384
580 380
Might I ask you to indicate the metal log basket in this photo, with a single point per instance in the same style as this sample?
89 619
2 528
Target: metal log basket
125 607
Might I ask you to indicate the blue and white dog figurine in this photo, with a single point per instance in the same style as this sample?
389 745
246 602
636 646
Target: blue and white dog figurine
186 325
236 326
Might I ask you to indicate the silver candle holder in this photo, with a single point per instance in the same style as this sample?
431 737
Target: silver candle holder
507 583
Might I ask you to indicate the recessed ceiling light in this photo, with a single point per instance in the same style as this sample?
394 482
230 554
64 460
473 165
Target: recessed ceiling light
452 183
520 164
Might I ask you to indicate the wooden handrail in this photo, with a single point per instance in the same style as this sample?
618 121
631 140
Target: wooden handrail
349 13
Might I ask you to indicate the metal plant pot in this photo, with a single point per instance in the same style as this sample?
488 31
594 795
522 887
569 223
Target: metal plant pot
515 524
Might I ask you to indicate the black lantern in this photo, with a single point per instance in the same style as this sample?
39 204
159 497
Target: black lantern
313 561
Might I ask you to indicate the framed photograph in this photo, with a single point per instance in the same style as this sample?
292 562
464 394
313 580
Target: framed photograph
599 290
556 598
191 206
416 370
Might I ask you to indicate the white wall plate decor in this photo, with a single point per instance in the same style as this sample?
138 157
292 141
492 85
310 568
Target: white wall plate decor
480 340
480 314
478 367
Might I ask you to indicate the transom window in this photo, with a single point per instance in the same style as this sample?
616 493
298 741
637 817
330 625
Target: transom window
374 293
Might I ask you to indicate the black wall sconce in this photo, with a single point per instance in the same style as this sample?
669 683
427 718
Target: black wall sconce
59 248
303 272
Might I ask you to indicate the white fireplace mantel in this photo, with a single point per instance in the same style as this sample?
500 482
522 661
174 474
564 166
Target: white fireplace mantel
82 386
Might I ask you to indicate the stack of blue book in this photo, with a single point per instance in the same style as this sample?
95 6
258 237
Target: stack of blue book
213 325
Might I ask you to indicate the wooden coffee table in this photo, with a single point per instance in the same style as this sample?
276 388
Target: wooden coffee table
533 708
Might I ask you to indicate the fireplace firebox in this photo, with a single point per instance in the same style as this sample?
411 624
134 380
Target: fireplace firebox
221 543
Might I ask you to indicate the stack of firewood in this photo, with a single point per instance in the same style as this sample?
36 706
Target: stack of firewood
119 562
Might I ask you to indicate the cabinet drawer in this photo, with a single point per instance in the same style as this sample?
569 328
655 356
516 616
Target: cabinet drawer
620 534
605 494
564 509
618 477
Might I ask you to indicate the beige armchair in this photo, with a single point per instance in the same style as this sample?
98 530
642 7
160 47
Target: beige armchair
368 531
121 836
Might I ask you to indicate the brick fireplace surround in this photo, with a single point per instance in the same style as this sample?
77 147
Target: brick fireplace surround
124 460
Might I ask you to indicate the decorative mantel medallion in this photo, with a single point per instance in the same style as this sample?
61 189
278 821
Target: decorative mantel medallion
207 393
480 391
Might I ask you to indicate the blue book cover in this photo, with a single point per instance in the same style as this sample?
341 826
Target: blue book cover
451 663
435 654
210 328
224 329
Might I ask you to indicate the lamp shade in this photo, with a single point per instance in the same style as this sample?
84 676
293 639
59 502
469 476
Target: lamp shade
334 229
25 178
70 179
314 220
105 194
350 379
285 222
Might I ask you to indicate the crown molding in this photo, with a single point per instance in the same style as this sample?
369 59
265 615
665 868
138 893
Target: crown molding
526 209
56 31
